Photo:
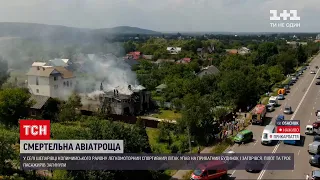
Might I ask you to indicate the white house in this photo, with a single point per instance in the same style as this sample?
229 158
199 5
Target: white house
174 50
243 50
56 82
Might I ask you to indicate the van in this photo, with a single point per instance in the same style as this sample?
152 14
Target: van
210 170
243 137
314 147
267 130
273 100
279 119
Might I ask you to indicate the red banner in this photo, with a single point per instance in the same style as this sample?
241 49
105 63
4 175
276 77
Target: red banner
288 129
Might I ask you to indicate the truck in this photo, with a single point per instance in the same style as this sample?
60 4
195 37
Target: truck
273 100
258 114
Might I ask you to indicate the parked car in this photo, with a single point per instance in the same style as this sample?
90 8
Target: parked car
270 107
254 166
315 175
312 72
288 110
318 77
281 97
315 160
318 83
316 138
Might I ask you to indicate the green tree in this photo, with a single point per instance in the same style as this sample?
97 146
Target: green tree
68 110
4 75
7 151
14 105
51 109
301 55
265 50
276 74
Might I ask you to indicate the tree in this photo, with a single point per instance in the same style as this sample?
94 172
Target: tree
129 46
7 151
265 50
51 109
276 74
69 108
14 105
301 55
4 75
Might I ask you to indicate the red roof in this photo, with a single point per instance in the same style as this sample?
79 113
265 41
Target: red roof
187 59
259 109
136 53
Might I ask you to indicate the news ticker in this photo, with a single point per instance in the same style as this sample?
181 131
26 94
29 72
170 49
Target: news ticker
283 137
281 161
288 123
71 146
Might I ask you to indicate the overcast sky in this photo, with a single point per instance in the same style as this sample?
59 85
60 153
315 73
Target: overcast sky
163 15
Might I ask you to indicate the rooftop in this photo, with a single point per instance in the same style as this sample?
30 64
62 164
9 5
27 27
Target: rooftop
46 71
39 101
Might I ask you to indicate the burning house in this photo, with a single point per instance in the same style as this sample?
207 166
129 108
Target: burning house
130 100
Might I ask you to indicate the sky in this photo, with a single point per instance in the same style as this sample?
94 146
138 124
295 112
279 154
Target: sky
165 15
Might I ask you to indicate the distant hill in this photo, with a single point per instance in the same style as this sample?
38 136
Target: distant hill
126 30
26 30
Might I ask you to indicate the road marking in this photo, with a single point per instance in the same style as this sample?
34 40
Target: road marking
292 117
309 120
233 172
298 152
255 143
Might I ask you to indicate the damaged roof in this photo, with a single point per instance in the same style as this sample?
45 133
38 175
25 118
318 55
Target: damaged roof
39 101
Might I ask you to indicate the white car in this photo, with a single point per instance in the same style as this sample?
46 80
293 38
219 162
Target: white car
280 97
312 72
270 107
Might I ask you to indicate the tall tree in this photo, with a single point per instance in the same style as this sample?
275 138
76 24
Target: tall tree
301 55
4 75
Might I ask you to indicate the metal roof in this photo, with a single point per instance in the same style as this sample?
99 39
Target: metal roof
39 101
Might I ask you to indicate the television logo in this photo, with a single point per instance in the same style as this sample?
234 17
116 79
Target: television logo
34 129
292 15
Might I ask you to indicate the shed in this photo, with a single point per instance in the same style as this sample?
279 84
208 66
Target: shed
161 87
40 102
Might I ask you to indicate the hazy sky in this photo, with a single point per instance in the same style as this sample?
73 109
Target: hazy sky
163 15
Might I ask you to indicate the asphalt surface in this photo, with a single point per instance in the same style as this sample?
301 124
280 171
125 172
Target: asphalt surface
304 99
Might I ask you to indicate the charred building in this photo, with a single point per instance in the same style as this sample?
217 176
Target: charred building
128 100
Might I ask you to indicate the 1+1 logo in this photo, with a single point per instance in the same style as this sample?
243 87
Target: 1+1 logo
292 15
34 129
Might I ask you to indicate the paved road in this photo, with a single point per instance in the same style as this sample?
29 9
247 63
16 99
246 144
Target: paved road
303 98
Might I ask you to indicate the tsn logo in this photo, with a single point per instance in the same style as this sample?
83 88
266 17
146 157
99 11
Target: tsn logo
34 129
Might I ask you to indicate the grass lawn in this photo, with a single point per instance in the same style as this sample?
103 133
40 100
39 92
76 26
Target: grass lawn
167 114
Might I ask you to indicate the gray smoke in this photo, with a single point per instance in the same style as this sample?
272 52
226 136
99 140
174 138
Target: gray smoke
107 69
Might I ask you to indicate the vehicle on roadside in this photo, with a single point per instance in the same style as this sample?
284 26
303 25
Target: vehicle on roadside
210 170
281 97
318 83
279 119
318 77
273 100
230 163
314 147
267 130
287 110
312 72
270 107
292 142
315 175
294 79
243 136
282 91
258 113
315 160
254 166
318 115
309 130
316 138
291 83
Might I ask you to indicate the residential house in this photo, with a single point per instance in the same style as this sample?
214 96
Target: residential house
159 61
58 62
318 37
174 50
56 82
134 55
208 71
148 57
35 64
184 61
160 88
232 51
243 51
39 102
294 43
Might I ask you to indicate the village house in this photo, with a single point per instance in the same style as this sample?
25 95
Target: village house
134 55
37 108
232 51
184 61
243 51
174 50
56 82
208 71
161 87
